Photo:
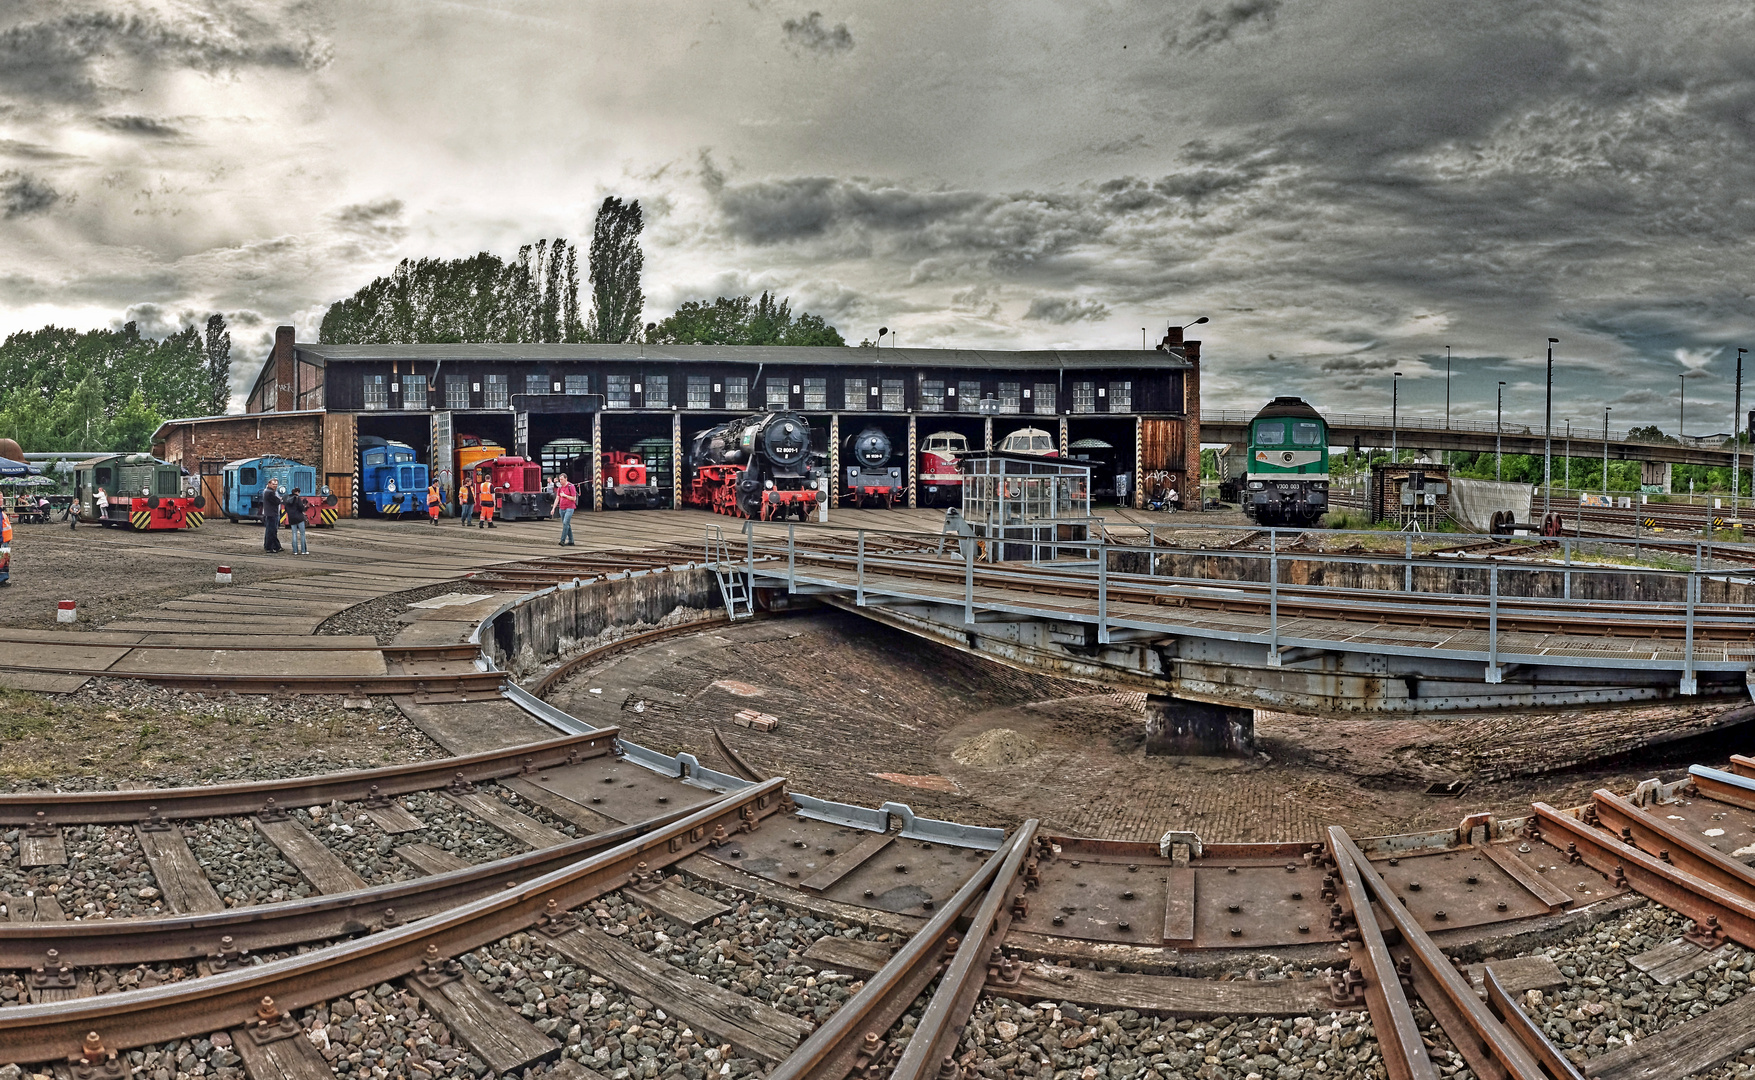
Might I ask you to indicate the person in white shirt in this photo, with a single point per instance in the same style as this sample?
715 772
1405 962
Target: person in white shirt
103 505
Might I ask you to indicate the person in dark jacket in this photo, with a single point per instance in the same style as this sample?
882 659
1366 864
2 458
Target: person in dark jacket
296 512
271 503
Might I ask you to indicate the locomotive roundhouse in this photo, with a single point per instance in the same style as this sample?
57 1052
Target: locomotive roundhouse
526 397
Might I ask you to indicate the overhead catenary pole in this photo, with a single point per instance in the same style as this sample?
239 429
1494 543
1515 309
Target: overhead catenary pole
1498 439
1447 398
1606 409
1548 438
1394 399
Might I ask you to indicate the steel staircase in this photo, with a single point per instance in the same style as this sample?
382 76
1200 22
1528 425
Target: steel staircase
733 585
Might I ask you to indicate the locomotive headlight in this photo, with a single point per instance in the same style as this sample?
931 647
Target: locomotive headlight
1255 485
391 487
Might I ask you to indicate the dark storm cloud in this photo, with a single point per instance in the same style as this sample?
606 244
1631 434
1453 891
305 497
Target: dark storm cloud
810 34
144 126
1065 309
23 195
51 54
1210 27
380 218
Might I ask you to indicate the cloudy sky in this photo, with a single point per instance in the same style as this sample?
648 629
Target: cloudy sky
1344 188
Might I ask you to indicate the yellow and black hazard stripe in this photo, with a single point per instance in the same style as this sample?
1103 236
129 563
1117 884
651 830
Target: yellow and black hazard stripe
140 519
328 514
194 519
1718 523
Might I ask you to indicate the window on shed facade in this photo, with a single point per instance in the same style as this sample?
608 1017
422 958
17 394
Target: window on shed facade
414 391
496 392
816 394
658 391
779 392
536 384
853 394
737 392
577 385
1044 398
932 395
456 391
700 392
892 396
619 392
1084 397
1121 395
377 395
969 395
1010 397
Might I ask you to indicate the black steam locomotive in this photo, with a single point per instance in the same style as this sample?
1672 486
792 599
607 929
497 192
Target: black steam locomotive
870 474
758 466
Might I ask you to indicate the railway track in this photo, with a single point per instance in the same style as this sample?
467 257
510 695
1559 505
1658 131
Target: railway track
950 954
1638 619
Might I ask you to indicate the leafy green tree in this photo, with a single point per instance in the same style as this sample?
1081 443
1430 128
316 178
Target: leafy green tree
739 320
616 262
216 346
478 299
132 428
1651 433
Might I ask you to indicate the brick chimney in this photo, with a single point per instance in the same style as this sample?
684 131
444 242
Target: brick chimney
1191 412
286 396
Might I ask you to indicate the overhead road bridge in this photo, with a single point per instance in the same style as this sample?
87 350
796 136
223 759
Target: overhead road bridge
1213 633
1476 436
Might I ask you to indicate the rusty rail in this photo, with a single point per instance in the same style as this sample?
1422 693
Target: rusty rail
932 1049
1718 912
1480 1036
66 807
853 1038
1651 833
225 936
1392 1017
57 1030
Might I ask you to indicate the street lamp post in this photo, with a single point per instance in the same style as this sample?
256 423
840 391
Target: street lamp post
1737 441
1682 410
1394 398
1606 409
1548 438
1569 453
1498 427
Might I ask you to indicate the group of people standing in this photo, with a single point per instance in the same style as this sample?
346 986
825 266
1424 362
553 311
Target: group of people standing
297 514
477 499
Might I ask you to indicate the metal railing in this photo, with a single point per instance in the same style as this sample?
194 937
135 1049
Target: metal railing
1093 557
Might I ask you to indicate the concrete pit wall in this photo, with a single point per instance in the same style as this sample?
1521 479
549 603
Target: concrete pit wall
548 624
1467 580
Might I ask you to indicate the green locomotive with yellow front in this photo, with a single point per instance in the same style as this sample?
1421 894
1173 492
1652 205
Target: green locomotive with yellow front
1286 479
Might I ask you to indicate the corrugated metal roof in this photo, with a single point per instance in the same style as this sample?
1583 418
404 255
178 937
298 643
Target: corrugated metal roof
1041 359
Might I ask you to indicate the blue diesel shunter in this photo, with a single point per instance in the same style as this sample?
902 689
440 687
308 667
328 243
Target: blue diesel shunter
244 480
392 482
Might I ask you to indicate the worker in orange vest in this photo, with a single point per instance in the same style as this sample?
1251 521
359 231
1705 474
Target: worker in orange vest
5 547
434 501
486 503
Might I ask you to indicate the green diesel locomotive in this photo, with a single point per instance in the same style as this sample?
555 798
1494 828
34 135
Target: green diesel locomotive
1286 480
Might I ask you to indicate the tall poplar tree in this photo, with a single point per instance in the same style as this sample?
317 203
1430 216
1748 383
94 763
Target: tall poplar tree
616 262
216 345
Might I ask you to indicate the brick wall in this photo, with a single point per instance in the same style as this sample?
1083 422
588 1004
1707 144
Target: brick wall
296 437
